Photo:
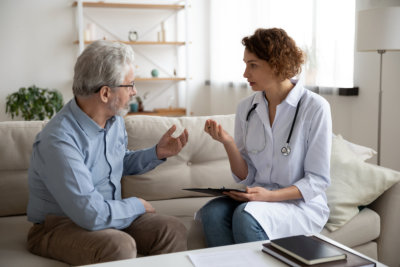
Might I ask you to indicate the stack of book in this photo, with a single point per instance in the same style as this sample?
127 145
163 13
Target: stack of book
304 250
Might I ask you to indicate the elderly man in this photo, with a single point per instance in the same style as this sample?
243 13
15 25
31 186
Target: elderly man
77 162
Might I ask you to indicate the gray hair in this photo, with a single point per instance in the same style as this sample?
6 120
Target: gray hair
102 63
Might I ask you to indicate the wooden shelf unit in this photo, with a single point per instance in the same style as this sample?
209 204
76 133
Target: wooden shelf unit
139 42
80 5
127 5
146 79
171 112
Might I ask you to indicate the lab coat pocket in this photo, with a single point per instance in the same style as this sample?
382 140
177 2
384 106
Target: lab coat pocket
255 136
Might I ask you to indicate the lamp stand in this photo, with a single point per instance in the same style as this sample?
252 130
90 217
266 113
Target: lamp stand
381 52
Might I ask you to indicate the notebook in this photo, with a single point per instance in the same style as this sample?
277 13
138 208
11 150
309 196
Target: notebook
310 250
307 250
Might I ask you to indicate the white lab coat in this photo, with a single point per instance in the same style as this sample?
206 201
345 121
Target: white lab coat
306 167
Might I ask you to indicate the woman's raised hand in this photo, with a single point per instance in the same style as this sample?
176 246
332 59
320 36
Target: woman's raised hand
217 132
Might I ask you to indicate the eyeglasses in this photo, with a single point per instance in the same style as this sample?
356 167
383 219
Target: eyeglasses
131 86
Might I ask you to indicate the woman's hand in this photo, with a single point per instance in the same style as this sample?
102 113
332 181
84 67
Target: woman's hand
252 194
217 132
258 193
238 164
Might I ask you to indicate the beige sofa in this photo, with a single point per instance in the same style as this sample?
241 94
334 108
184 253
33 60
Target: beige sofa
202 163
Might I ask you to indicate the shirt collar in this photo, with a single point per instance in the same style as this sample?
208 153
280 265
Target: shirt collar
89 126
292 98
296 93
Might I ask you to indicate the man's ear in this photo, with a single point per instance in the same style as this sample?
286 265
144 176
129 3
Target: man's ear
105 93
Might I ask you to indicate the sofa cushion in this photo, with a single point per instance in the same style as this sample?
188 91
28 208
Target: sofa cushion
13 252
184 209
180 207
362 152
354 183
369 249
361 229
13 192
17 138
201 163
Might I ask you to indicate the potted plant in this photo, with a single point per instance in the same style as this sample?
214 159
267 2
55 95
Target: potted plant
34 103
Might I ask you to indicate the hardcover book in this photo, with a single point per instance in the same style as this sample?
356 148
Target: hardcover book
311 250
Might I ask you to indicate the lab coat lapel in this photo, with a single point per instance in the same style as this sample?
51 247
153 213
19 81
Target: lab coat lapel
262 111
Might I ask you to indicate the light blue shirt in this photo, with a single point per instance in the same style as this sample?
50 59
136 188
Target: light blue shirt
76 169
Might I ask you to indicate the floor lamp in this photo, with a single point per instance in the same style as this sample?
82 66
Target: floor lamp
378 30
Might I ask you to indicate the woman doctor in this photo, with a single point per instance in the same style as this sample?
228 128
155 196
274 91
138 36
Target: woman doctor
281 150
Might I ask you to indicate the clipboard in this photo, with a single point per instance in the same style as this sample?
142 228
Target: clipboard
214 191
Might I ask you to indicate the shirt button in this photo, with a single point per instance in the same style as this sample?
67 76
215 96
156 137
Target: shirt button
189 163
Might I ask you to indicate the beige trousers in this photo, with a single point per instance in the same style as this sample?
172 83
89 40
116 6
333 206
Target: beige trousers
150 234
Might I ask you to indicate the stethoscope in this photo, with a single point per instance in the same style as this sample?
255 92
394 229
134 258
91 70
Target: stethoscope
285 150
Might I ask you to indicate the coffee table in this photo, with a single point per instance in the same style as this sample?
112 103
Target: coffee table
181 259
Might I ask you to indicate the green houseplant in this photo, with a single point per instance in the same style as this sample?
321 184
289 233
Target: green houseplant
34 103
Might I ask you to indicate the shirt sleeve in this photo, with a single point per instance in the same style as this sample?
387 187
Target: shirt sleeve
74 191
239 140
141 161
317 158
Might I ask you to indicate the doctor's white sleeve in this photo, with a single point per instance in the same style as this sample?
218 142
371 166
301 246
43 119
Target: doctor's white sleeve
239 140
317 158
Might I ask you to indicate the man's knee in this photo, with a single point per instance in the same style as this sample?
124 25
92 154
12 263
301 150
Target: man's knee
174 227
118 245
176 233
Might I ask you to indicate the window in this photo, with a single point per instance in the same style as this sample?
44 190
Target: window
323 29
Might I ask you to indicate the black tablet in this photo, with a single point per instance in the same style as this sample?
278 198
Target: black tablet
214 191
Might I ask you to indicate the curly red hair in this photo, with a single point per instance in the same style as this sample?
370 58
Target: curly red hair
278 49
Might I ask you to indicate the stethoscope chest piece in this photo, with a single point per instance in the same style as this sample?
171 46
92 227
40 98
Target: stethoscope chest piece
286 150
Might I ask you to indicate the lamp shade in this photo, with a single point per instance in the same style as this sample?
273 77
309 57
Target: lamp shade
378 29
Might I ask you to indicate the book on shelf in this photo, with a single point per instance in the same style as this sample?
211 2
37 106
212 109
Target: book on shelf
310 250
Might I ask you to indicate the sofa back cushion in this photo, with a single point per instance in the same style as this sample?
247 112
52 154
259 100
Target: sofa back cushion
16 142
201 163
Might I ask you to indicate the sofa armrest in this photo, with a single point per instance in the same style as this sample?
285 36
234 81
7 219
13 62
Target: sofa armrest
388 208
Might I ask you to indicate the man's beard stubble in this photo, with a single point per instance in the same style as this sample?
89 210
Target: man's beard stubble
119 111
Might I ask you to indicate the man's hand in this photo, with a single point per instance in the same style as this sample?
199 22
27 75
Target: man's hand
217 132
149 208
169 146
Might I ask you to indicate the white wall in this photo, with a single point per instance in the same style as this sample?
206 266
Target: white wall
199 57
364 108
36 48
355 117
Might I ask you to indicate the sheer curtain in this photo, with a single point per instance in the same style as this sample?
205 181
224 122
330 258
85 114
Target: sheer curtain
323 29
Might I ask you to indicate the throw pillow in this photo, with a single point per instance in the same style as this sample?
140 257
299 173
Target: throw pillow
353 183
362 152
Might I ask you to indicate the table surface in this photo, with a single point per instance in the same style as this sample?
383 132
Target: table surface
181 259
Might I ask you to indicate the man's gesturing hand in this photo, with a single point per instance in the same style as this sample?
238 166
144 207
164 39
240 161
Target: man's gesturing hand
169 146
